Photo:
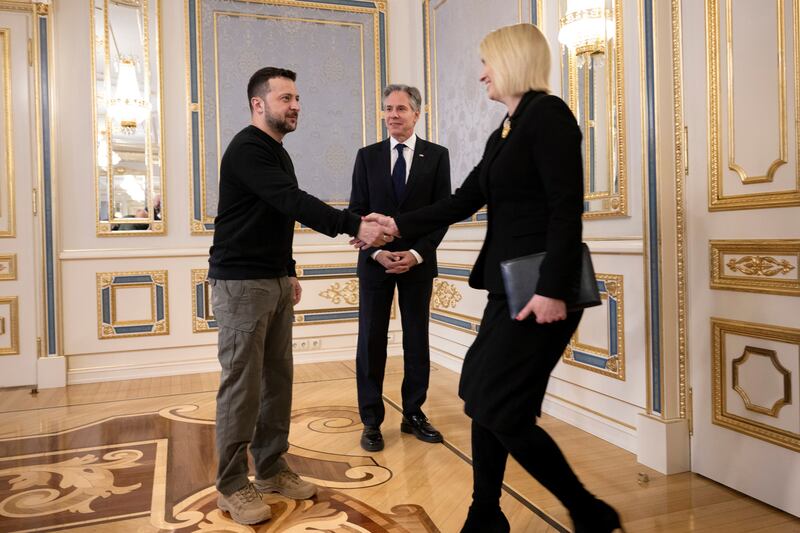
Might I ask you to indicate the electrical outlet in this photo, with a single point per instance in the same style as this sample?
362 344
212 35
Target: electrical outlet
300 345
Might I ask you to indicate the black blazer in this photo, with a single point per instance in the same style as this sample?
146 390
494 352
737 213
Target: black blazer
373 191
532 182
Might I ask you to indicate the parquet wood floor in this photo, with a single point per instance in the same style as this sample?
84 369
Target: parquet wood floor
139 456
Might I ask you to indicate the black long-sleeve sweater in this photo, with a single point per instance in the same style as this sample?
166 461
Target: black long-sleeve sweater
259 201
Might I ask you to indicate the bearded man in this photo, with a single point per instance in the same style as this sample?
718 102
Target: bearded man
254 290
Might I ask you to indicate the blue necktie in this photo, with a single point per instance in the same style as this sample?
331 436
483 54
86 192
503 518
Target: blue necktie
399 173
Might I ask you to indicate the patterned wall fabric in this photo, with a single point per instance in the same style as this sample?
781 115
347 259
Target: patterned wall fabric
464 116
337 59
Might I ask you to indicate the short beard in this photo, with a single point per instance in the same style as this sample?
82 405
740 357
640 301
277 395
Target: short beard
282 126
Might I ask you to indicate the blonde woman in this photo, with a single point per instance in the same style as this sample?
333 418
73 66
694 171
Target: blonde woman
531 179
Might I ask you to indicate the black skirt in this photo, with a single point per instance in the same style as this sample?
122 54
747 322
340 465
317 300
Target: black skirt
506 369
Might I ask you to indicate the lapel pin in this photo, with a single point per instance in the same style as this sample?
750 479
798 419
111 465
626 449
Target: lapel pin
422 155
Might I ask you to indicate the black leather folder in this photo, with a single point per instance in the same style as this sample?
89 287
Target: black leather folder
521 276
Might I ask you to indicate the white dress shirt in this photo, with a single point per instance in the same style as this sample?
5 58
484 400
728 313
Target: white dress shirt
408 155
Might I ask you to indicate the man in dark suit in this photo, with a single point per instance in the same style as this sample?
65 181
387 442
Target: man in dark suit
399 174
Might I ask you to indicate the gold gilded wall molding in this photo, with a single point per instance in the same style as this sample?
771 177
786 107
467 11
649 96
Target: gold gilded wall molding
445 295
718 200
786 377
612 202
346 292
8 267
151 153
108 286
11 327
8 210
720 328
762 266
358 26
25 6
426 29
783 143
203 319
379 5
200 222
608 361
679 165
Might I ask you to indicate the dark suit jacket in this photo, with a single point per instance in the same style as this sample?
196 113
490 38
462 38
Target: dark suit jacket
532 182
373 191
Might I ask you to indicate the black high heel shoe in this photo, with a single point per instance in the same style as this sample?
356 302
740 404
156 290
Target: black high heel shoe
598 517
485 520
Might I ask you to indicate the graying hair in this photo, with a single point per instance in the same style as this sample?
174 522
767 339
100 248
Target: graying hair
412 92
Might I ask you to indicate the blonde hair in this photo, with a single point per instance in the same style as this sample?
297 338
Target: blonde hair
520 57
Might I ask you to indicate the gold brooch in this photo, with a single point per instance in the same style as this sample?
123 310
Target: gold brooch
506 128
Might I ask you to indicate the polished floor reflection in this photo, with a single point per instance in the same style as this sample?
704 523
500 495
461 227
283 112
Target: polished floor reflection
139 456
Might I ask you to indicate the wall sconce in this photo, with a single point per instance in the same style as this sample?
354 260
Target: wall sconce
128 106
585 28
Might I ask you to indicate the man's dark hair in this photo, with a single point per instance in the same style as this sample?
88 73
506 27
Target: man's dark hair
259 81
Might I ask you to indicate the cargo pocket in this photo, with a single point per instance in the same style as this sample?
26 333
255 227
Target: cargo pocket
238 314
233 306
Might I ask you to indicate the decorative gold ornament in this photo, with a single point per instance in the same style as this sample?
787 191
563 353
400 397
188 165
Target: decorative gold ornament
568 352
757 265
338 293
506 128
445 295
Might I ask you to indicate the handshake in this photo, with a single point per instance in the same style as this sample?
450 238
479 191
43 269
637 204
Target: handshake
375 231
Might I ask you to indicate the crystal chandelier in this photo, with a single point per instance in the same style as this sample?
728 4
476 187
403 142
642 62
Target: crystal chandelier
585 27
128 106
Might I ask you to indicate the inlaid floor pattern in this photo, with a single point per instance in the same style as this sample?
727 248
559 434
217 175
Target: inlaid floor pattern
139 456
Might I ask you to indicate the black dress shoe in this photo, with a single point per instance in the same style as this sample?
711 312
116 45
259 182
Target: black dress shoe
421 428
598 517
485 520
371 439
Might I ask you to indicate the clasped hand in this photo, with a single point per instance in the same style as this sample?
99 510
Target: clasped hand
396 262
375 231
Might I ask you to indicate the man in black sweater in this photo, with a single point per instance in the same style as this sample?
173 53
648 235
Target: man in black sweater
255 288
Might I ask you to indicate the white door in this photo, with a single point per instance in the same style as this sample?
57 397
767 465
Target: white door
740 78
19 275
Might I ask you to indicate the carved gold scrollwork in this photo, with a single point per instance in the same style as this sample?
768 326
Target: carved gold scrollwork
338 293
568 352
612 288
765 266
758 265
83 480
445 295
